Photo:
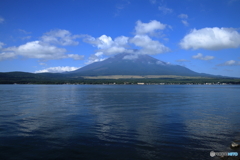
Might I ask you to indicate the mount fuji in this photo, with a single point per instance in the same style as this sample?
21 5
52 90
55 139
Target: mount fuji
134 64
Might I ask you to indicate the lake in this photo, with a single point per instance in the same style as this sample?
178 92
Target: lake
117 122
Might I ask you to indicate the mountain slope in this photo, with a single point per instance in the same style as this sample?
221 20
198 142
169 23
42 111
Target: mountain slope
129 64
119 69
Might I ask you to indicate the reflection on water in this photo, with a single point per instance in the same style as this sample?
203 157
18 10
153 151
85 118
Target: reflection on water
117 122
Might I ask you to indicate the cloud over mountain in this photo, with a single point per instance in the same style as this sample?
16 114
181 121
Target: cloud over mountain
148 46
141 43
107 45
97 57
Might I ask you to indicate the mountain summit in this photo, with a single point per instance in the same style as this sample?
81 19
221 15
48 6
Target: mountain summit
133 64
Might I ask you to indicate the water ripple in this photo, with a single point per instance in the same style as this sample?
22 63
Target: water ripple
116 122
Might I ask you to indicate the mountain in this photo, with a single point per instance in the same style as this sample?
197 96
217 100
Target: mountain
119 69
132 64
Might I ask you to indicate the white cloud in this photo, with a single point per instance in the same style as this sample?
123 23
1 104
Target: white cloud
149 28
131 56
60 37
99 54
1 45
230 63
211 39
57 69
1 20
162 63
107 46
185 22
43 64
201 57
148 46
165 10
45 48
141 41
183 16
23 31
40 50
121 41
7 55
113 50
37 49
105 41
74 56
97 57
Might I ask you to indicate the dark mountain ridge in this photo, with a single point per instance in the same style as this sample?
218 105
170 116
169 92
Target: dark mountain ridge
132 64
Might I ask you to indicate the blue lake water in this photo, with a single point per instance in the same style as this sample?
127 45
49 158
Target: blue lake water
117 122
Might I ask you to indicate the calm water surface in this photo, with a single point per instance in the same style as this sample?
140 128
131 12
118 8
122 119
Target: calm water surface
125 122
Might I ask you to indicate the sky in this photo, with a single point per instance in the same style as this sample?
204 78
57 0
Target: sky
63 35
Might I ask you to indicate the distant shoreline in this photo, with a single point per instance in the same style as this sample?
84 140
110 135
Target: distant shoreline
220 84
29 78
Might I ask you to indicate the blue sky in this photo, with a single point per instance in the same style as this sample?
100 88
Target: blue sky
63 35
